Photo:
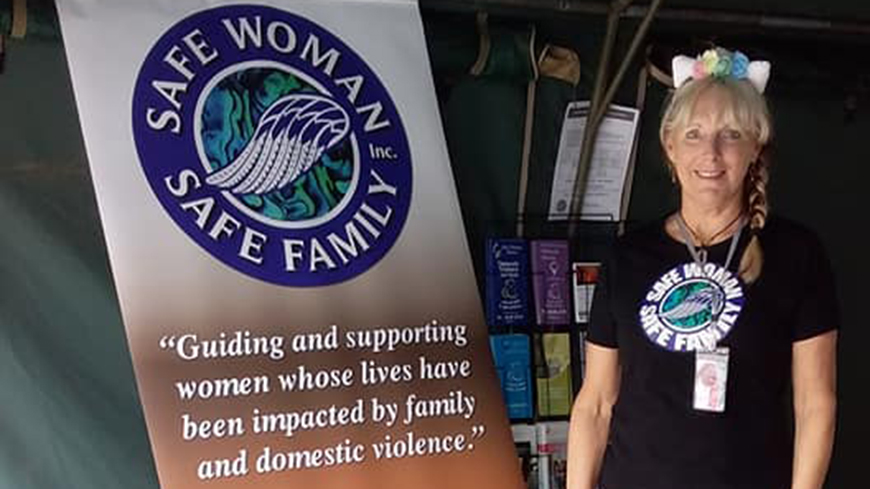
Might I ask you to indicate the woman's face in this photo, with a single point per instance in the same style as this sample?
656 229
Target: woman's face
711 154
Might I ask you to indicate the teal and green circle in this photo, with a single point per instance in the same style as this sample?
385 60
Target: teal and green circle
229 118
688 322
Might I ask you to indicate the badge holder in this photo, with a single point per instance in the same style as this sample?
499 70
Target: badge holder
711 365
711 380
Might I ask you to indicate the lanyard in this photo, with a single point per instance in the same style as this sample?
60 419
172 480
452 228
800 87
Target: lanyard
700 256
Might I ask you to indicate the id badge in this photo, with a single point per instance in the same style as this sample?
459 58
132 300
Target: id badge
711 379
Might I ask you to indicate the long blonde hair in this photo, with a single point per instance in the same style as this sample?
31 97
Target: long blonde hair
748 110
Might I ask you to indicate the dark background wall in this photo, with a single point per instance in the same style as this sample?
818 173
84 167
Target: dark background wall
69 415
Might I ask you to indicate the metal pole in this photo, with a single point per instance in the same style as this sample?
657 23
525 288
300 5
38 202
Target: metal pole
598 104
626 61
812 24
45 26
595 118
588 134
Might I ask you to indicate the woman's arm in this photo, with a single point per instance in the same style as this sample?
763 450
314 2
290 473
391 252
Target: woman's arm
815 404
590 416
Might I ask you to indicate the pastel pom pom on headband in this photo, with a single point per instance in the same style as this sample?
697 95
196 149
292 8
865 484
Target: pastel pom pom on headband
721 63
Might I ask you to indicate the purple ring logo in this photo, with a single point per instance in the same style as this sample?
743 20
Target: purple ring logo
691 307
272 145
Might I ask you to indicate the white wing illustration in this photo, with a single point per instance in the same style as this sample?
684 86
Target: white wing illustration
708 298
291 136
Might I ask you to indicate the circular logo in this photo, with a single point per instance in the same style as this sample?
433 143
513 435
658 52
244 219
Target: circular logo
273 145
691 307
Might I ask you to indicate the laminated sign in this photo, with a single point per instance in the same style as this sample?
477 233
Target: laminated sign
286 244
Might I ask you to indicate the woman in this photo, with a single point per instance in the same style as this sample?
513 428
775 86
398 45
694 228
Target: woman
711 346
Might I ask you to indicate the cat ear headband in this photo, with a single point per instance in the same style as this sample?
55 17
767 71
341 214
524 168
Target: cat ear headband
721 63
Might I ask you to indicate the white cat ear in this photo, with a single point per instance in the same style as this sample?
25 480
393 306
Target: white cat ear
682 67
758 72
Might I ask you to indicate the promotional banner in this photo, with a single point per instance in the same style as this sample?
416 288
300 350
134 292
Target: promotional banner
286 244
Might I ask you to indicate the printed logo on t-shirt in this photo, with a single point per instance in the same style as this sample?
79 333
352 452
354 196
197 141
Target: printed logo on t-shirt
691 307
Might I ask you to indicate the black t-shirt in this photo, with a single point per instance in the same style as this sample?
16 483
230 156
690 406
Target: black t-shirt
657 439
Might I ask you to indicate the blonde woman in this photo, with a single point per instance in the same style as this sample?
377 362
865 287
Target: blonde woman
717 285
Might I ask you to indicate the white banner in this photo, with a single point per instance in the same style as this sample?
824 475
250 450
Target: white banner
286 244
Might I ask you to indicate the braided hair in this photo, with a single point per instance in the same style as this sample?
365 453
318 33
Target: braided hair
756 209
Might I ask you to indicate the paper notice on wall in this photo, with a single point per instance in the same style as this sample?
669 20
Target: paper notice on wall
605 195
